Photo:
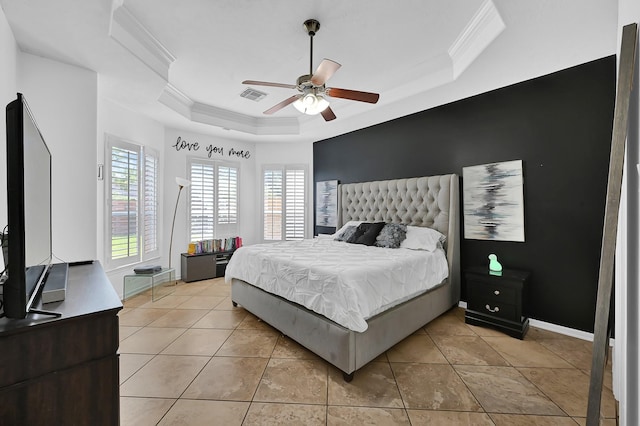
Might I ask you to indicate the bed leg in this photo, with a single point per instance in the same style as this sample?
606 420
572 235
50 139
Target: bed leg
347 377
235 304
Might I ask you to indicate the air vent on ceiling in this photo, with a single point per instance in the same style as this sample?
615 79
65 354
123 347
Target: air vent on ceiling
252 94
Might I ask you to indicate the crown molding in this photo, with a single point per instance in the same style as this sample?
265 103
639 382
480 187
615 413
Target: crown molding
198 112
209 114
480 31
133 36
127 30
177 101
485 25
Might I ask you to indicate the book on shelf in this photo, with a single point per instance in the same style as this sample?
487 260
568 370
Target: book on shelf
215 245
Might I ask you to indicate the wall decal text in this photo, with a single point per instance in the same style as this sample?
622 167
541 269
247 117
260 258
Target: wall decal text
182 144
214 150
239 154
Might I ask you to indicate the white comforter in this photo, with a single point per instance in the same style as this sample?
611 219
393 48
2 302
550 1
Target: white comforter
346 283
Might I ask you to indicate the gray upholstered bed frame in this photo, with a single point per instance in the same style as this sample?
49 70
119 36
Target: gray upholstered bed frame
431 201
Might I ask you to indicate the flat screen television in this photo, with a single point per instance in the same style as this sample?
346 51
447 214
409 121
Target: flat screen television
29 210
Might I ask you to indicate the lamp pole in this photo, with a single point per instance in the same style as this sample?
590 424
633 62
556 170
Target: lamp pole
182 183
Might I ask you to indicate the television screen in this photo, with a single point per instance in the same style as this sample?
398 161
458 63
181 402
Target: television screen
29 209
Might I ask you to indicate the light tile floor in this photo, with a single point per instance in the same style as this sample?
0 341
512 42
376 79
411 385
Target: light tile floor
191 358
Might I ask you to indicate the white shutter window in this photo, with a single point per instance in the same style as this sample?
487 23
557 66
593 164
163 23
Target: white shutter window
122 207
284 203
202 201
124 164
272 216
227 195
213 199
131 189
150 207
294 204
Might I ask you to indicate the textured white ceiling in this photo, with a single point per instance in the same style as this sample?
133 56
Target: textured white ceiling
182 62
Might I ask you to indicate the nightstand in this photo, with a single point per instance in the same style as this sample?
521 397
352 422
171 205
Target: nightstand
496 300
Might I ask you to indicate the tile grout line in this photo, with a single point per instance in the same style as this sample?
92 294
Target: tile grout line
160 353
326 405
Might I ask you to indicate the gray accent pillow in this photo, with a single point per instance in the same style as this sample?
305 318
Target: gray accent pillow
391 235
349 232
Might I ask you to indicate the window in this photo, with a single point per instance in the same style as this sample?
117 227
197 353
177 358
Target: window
294 204
132 203
227 195
213 200
273 188
201 196
150 218
284 203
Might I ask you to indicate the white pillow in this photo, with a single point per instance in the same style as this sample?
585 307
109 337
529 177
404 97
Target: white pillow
420 238
324 236
346 225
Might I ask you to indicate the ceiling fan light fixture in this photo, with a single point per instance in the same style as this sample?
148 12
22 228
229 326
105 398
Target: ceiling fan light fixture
311 104
312 87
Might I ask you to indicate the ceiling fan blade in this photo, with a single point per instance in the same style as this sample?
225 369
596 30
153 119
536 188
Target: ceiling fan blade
328 114
324 72
282 104
353 95
266 83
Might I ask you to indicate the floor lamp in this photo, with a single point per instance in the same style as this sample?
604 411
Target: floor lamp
182 183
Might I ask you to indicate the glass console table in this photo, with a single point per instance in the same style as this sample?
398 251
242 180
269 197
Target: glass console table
161 284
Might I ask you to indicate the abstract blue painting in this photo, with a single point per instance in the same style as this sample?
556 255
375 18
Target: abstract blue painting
493 200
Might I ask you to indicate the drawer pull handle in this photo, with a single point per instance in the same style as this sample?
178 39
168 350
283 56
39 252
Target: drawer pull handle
497 309
496 292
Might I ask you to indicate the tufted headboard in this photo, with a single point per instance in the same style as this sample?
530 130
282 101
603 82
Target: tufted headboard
430 201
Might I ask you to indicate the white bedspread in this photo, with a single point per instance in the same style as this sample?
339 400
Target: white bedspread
346 283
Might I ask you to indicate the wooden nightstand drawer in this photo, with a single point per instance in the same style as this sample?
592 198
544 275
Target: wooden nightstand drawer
493 292
495 309
496 300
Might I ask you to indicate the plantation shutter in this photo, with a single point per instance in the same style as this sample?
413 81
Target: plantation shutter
124 203
272 216
227 195
295 204
202 201
150 208
132 203
284 203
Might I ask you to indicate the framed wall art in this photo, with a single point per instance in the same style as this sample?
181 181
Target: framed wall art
327 203
493 201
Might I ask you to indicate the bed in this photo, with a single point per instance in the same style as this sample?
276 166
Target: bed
431 202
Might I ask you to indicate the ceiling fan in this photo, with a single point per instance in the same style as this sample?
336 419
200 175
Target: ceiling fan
311 99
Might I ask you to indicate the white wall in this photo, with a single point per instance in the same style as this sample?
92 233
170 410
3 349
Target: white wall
135 128
627 328
176 166
8 90
300 153
63 99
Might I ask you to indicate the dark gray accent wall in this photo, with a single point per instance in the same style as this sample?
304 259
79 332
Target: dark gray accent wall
560 126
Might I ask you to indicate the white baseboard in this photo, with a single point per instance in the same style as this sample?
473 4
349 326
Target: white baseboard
555 328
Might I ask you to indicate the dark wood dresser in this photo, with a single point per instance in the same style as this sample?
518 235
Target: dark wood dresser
496 300
64 371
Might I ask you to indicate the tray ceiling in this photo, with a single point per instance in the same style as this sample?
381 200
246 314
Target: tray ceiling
182 63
